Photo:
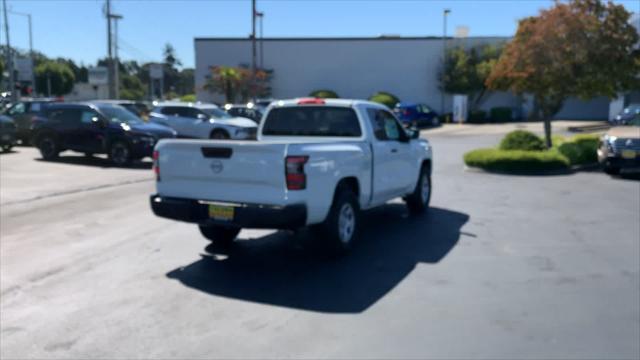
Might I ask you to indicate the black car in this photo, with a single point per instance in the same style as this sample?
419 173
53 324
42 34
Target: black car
7 133
244 111
23 112
96 128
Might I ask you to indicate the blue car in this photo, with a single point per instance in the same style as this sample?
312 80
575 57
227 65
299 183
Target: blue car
416 115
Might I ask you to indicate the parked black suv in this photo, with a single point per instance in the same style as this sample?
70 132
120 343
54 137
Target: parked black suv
22 112
96 128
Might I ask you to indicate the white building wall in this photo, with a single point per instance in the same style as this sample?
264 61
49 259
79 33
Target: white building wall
357 68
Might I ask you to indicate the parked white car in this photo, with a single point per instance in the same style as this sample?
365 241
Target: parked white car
316 163
202 121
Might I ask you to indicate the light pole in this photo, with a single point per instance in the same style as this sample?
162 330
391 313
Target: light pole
253 50
33 60
444 55
260 16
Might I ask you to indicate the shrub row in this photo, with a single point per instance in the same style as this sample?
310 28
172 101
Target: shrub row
580 150
515 160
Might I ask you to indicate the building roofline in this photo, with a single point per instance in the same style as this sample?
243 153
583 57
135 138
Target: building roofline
343 38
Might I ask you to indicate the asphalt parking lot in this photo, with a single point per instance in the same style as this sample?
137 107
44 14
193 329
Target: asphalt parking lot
501 267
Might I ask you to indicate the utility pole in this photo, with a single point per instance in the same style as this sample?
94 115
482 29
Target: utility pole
444 55
12 74
31 53
110 73
116 76
253 50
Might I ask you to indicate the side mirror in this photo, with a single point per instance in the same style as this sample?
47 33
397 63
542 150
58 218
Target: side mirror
414 133
97 122
203 117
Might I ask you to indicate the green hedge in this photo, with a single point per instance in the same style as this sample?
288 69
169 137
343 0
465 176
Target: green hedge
385 98
580 150
522 140
515 160
188 98
477 116
324 94
501 114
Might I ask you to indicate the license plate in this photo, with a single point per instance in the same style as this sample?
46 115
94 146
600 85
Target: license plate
628 154
219 212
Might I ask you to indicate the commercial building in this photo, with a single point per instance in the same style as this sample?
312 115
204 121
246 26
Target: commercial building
407 67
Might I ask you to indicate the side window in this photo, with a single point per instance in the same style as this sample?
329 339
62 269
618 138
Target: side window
189 112
35 107
385 126
87 116
69 117
17 109
170 110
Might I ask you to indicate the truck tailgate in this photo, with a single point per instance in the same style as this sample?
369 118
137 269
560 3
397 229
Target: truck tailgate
226 171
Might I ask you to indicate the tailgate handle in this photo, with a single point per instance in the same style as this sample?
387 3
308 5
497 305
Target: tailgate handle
217 152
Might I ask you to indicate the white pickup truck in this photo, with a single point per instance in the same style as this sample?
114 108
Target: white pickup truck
316 163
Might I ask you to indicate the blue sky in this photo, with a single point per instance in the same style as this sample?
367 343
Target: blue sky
77 29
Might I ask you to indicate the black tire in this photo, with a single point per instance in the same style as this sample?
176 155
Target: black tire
219 235
333 233
120 153
418 201
88 155
48 147
219 135
612 170
6 148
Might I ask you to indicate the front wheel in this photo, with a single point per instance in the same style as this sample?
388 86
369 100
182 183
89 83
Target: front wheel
418 201
48 147
219 235
219 135
611 170
6 148
120 154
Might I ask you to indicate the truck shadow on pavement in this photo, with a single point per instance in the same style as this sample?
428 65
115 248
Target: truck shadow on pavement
273 270
95 161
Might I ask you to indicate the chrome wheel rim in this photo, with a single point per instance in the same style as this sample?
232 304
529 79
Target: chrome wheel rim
346 223
119 154
426 188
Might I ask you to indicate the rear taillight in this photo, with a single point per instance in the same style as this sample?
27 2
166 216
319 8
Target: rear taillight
294 172
156 164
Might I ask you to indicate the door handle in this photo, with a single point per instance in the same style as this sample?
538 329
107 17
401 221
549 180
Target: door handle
394 150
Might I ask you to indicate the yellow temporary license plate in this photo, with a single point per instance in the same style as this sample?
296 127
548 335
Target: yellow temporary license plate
219 212
628 154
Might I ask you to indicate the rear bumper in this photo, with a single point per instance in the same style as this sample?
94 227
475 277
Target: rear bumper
619 162
249 216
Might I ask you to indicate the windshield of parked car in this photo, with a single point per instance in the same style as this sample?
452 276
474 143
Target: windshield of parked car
216 113
312 121
118 114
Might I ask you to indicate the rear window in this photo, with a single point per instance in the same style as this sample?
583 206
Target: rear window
312 121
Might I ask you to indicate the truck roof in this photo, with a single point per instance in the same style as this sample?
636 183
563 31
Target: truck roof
331 102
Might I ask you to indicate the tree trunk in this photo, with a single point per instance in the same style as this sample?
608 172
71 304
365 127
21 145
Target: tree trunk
547 131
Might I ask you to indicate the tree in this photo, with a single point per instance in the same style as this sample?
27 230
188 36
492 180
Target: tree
465 72
131 88
324 94
582 48
59 74
385 98
235 82
170 57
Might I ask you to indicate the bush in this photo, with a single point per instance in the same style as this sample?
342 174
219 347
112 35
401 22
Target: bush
188 98
522 140
384 98
515 160
501 114
477 116
580 150
324 94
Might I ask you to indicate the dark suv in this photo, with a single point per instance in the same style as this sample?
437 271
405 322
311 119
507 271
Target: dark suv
96 128
22 113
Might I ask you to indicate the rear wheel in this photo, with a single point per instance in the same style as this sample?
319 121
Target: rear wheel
119 153
418 201
219 235
219 135
340 229
48 147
